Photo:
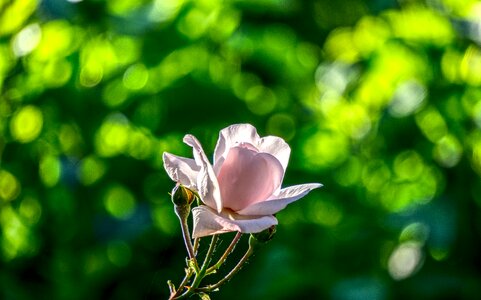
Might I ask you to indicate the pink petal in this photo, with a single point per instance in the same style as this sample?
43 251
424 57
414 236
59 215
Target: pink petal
181 169
248 177
207 184
276 147
207 222
286 196
230 137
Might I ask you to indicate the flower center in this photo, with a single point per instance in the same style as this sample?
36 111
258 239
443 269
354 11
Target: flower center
247 177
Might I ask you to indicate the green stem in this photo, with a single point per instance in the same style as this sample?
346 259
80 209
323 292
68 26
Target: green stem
183 212
236 269
186 279
208 256
175 294
196 245
226 254
201 274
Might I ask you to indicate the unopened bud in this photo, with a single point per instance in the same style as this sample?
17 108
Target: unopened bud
182 195
262 237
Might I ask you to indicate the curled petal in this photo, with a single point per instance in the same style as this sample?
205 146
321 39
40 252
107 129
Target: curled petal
207 222
207 184
277 147
285 196
230 137
181 169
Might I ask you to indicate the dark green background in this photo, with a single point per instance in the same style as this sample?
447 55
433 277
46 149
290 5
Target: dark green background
379 100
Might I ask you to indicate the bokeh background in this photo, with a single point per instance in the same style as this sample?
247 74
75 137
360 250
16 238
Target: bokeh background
379 100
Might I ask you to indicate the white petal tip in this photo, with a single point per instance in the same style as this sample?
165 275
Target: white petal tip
167 156
188 139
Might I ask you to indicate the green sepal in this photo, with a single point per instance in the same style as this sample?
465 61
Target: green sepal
261 238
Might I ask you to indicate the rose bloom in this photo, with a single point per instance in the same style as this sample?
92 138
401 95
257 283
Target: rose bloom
242 189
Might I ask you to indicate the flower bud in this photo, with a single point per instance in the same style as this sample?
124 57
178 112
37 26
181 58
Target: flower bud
182 195
262 237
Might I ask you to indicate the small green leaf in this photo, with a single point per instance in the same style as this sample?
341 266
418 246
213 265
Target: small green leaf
171 286
192 264
204 296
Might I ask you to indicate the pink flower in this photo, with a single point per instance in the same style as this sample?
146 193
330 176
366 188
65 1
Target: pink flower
242 190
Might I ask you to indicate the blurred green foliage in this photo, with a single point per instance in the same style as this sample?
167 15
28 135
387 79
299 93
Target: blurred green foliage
379 100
